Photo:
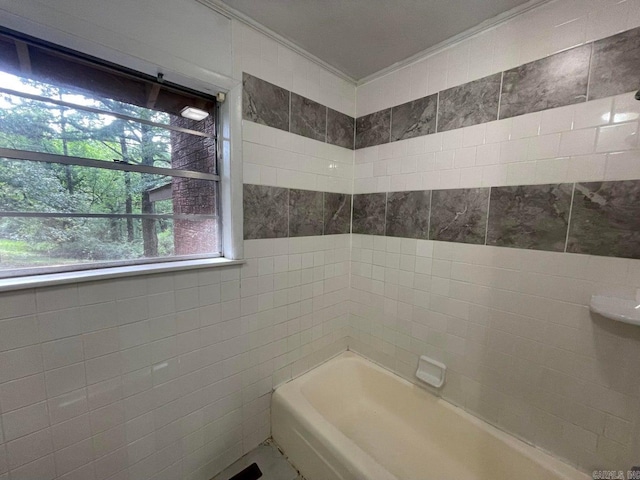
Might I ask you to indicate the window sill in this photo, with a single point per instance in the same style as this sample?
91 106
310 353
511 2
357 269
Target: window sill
47 280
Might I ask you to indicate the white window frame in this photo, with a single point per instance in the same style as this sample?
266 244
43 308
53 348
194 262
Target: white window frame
229 128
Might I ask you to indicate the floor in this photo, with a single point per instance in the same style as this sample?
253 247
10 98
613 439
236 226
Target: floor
270 460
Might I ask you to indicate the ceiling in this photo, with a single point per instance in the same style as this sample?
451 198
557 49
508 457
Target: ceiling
361 37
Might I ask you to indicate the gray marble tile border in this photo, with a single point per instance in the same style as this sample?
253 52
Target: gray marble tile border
368 215
471 103
612 229
459 215
307 118
265 211
373 129
615 65
304 116
265 103
278 212
551 82
545 217
602 82
534 217
605 219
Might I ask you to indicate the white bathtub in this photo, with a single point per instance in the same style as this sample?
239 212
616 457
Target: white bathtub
351 419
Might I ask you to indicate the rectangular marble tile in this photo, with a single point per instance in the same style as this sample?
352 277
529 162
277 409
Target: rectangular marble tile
369 213
529 216
340 129
264 103
615 65
373 129
308 118
305 213
266 211
469 104
414 119
408 214
605 219
459 215
551 82
337 213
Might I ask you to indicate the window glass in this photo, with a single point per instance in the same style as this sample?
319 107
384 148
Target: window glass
98 167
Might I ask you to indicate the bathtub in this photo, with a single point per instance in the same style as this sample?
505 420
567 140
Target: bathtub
350 419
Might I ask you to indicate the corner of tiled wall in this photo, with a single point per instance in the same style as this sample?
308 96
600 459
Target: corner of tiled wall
512 324
298 130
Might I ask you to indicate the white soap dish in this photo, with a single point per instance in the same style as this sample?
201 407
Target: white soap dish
619 309
431 371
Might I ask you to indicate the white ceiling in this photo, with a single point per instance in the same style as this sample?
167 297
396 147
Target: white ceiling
361 37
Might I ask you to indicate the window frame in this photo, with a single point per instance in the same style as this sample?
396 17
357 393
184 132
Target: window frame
11 280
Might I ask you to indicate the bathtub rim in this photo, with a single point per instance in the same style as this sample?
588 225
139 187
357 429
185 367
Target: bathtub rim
322 427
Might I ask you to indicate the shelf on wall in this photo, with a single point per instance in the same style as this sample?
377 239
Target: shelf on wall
618 309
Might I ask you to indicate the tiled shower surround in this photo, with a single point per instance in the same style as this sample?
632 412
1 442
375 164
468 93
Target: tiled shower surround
598 218
169 377
555 179
512 324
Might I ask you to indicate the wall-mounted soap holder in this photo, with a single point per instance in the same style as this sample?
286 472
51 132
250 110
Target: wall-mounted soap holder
431 371
619 309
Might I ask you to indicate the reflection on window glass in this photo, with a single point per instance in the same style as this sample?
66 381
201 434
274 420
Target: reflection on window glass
33 242
52 187
69 212
78 97
39 126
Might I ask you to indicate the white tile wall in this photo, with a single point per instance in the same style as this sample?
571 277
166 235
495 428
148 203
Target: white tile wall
277 158
543 31
165 376
587 142
515 332
512 325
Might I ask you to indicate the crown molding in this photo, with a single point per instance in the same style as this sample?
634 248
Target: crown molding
234 14
456 39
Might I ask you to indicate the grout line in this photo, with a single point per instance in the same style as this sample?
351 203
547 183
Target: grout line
386 206
323 212
437 110
430 210
500 94
486 225
290 112
390 122
326 124
566 240
589 72
355 134
351 215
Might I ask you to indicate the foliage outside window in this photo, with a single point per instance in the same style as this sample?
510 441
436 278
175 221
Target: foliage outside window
97 167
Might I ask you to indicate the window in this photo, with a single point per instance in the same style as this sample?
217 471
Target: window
99 165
